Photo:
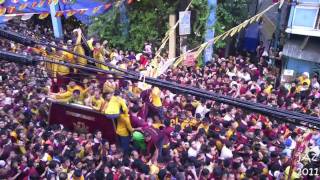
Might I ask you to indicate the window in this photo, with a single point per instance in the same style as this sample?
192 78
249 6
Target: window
309 1
305 17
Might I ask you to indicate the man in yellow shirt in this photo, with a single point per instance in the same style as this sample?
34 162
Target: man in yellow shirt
304 78
63 95
205 125
155 97
79 49
98 54
116 106
90 44
268 89
134 89
188 122
60 73
68 57
157 122
304 82
97 101
109 86
294 174
77 175
72 86
154 68
124 129
51 55
117 109
76 98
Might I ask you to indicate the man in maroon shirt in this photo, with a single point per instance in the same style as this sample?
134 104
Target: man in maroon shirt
167 130
136 120
154 139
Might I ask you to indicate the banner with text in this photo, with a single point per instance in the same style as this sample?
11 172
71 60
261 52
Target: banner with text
81 119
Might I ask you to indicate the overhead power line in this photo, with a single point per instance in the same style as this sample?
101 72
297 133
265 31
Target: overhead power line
278 114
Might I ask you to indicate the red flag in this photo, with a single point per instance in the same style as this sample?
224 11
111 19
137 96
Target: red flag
59 13
11 9
34 4
43 15
2 10
107 6
41 3
82 11
23 6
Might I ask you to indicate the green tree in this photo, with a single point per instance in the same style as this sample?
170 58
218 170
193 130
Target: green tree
230 13
200 13
147 22
107 26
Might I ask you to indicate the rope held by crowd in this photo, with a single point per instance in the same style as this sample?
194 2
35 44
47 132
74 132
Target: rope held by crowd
30 42
302 119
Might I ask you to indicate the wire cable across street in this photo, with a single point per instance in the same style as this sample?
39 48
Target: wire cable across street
281 115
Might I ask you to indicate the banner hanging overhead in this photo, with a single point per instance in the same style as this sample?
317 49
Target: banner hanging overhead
184 23
67 8
208 52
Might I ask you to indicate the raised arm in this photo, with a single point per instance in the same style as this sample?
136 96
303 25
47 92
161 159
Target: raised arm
79 33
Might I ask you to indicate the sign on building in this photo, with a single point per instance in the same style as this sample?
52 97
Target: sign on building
184 23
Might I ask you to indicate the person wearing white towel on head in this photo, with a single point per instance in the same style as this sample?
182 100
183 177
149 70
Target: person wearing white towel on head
226 152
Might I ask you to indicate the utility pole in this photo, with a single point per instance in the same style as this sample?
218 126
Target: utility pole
172 37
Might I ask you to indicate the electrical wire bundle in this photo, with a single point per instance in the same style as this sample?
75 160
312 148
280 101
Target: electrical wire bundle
279 114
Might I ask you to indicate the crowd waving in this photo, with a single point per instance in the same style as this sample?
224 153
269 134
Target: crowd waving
161 134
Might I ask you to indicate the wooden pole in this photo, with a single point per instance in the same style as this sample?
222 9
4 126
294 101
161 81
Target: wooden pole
172 37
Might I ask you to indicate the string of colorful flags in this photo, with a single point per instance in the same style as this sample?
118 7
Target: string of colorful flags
230 33
13 11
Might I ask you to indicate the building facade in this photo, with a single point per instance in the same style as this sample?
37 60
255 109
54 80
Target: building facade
302 47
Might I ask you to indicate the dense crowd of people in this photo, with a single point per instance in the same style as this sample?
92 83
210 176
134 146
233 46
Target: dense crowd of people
161 134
